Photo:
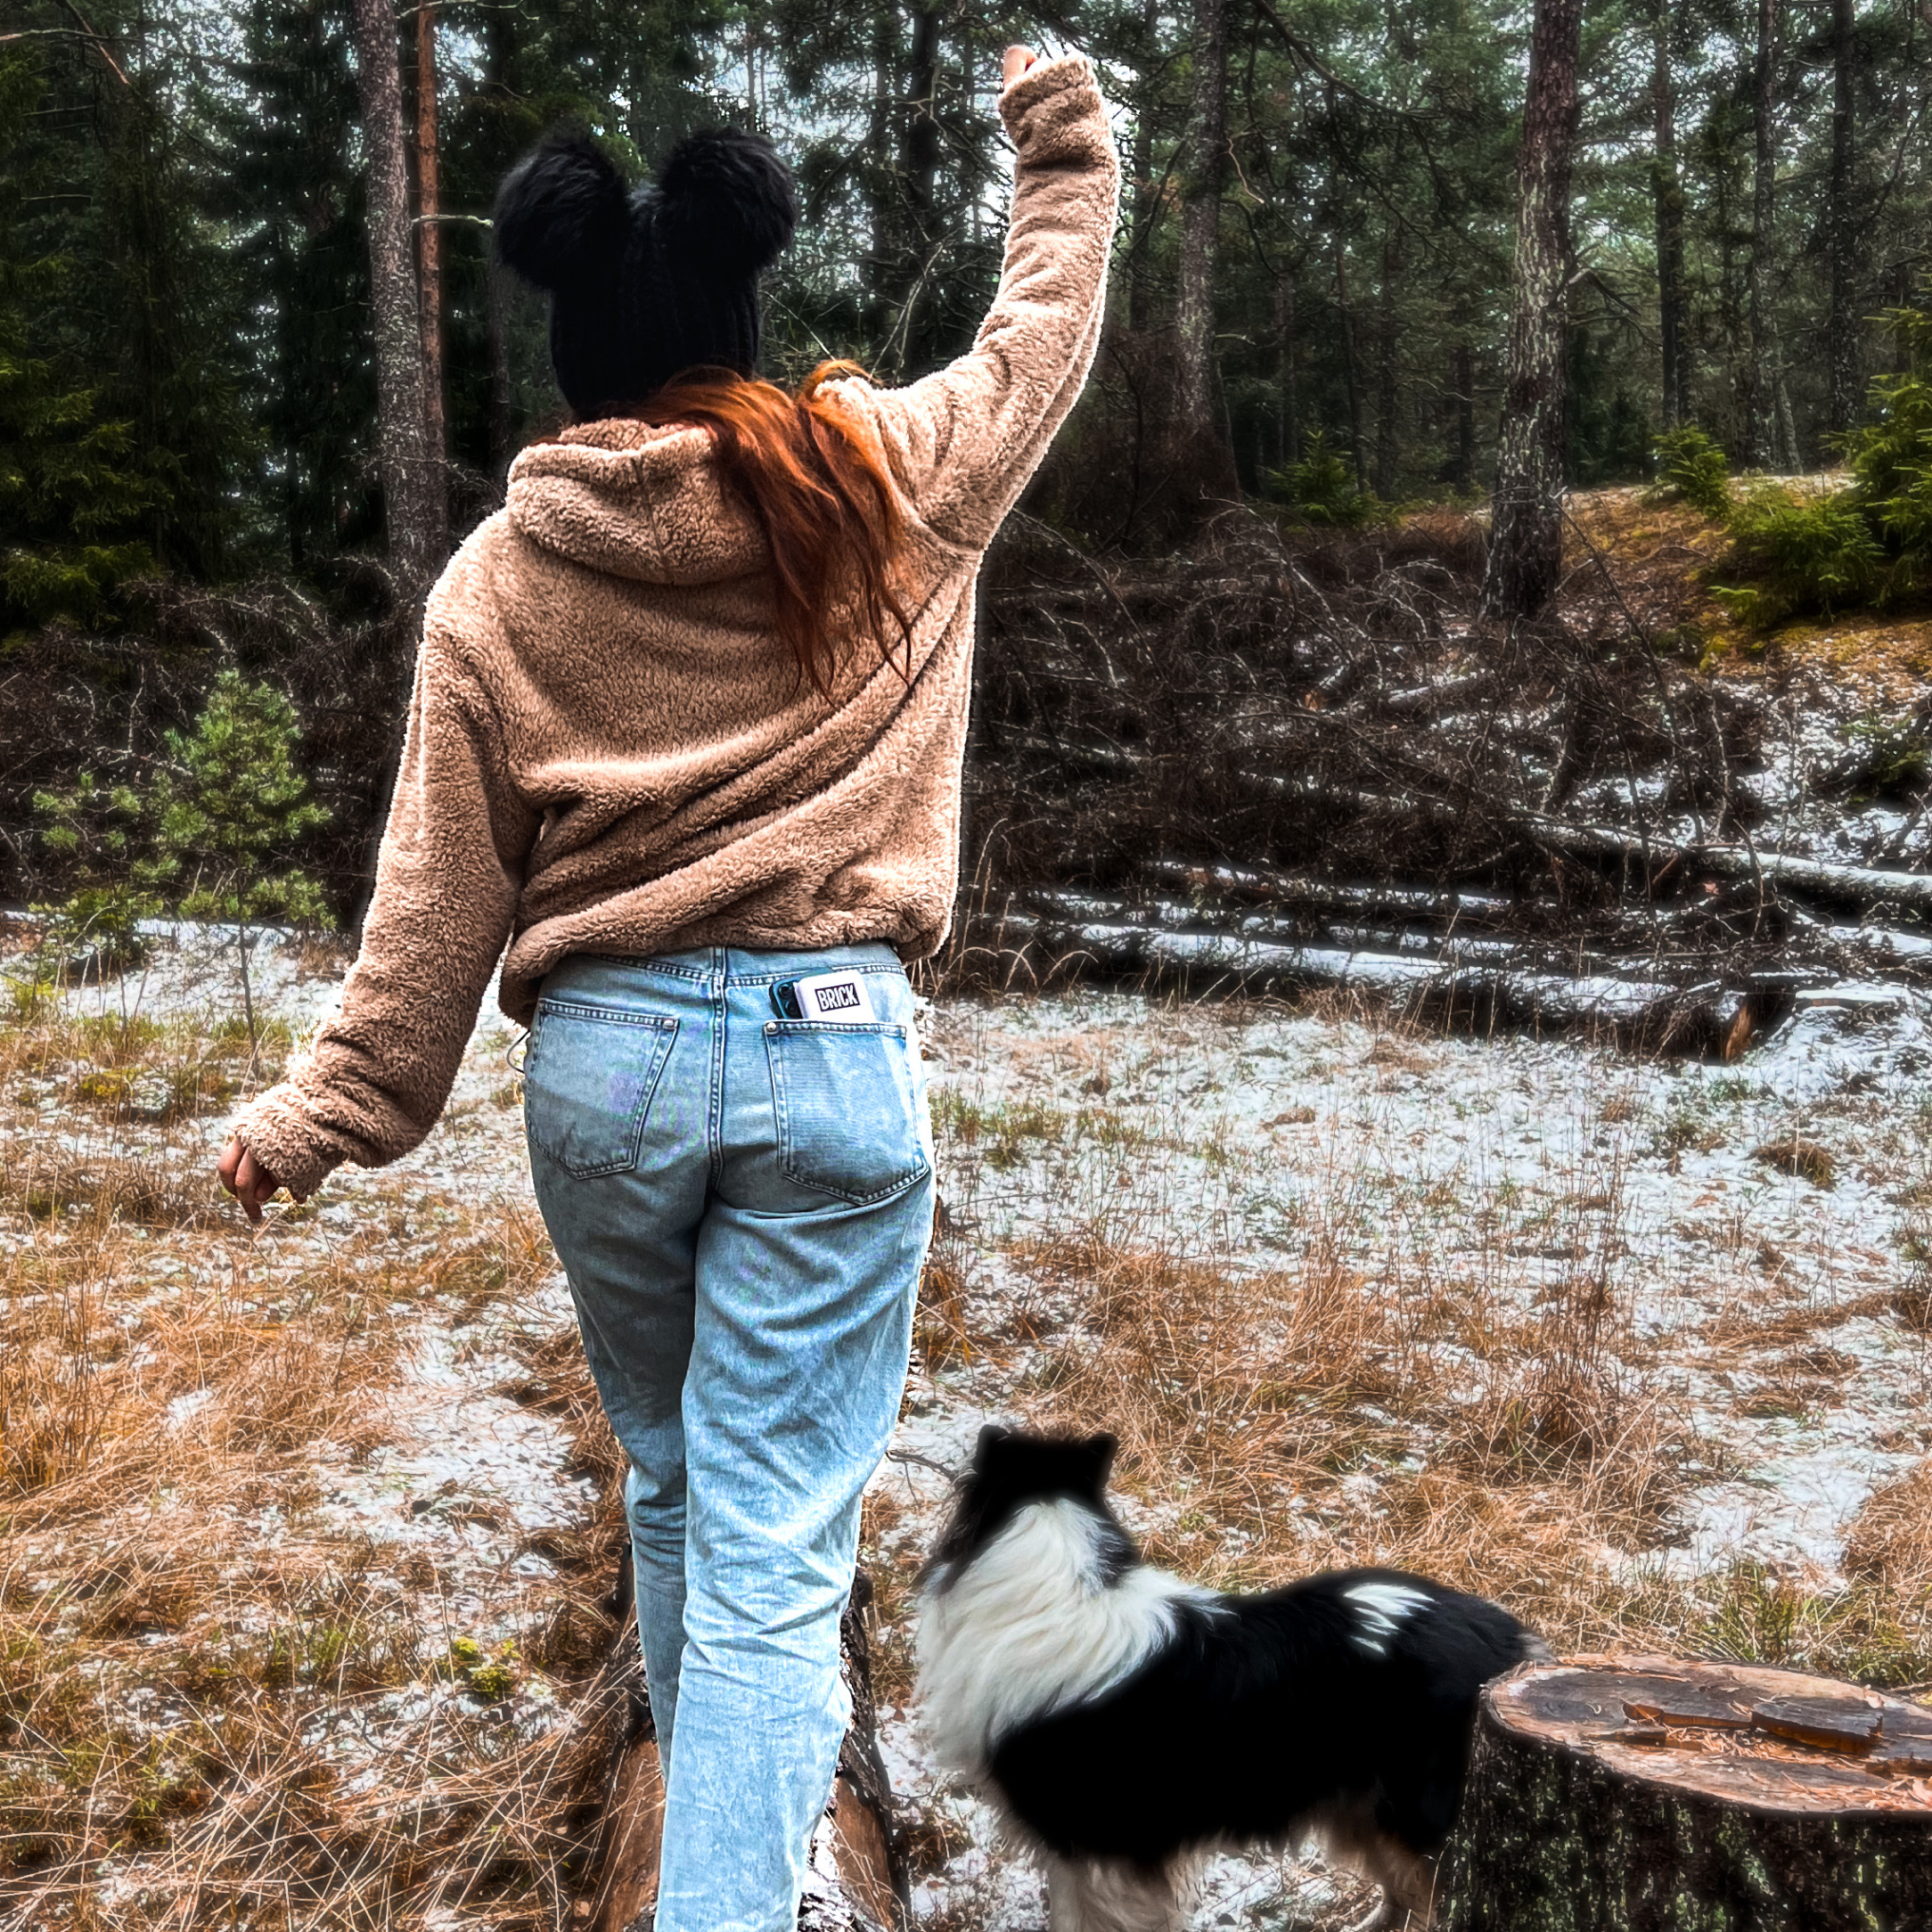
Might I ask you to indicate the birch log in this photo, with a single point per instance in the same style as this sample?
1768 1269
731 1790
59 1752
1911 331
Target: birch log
1037 947
1858 885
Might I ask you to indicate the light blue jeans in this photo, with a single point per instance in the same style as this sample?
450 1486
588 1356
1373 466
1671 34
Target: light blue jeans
741 1202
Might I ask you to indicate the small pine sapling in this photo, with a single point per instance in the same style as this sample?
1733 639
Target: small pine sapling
90 832
1803 552
1322 488
229 799
1867 544
1891 456
1691 469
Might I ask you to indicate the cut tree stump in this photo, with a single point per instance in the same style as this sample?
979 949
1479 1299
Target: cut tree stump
859 1880
1654 1795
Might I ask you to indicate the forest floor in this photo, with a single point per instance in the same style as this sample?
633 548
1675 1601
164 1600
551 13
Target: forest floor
1878 659
307 1530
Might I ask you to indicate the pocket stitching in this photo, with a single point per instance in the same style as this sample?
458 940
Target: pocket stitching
781 1094
666 1028
617 1014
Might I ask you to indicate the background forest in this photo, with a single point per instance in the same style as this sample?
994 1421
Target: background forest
1314 278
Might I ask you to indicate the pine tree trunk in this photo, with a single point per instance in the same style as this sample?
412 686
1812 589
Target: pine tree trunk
429 240
881 189
1760 426
919 173
496 329
496 299
1791 458
1146 196
1526 540
412 479
1841 226
1288 413
1201 220
416 505
1387 349
1346 333
1654 1796
1463 393
1731 306
1667 187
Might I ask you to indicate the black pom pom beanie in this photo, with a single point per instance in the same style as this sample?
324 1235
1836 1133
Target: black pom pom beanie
650 282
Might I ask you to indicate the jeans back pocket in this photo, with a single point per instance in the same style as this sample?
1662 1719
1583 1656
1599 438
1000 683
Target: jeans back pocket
587 1081
847 1125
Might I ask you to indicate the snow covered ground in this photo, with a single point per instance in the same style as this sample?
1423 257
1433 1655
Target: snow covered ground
1752 1307
1716 1250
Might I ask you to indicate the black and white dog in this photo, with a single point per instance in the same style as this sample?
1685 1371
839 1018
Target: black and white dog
1126 1724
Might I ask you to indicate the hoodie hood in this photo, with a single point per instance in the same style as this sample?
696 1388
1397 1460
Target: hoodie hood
633 500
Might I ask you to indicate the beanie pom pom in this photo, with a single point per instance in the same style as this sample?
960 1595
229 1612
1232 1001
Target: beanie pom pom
728 205
562 213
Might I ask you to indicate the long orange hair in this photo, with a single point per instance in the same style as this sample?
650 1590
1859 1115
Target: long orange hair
821 496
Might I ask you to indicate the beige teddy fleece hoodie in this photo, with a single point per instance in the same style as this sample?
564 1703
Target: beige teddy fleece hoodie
610 751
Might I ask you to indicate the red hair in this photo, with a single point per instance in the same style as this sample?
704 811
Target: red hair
819 493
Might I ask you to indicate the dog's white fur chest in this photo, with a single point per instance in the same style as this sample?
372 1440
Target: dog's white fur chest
1028 1624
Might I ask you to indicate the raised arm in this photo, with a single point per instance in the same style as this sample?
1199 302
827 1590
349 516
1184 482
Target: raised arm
377 1077
965 440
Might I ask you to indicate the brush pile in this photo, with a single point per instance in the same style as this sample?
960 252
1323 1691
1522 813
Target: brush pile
1308 759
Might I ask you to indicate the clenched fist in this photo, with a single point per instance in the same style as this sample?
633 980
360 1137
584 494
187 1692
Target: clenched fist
246 1178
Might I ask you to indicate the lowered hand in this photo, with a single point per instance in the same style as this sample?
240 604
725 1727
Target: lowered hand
246 1178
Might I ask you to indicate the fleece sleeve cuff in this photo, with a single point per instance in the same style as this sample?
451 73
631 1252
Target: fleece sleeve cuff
275 1131
1055 113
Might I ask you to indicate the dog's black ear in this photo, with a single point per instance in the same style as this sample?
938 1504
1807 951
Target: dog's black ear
990 1438
1100 1449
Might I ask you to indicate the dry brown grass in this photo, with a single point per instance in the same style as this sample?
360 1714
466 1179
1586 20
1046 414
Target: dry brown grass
216 1708
940 1332
236 1807
132 1067
1911 1300
1803 1159
1246 1403
1277 1423
1891 1542
212 1381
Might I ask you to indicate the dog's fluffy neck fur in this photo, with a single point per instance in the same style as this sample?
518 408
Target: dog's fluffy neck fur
1060 1597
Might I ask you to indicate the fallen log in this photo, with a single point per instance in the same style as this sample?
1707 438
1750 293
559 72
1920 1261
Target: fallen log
1443 696
1263 884
859 1880
1886 948
1041 947
1261 903
1650 1795
1856 885
1322 935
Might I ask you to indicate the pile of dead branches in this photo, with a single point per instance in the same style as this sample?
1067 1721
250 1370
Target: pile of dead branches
1317 747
